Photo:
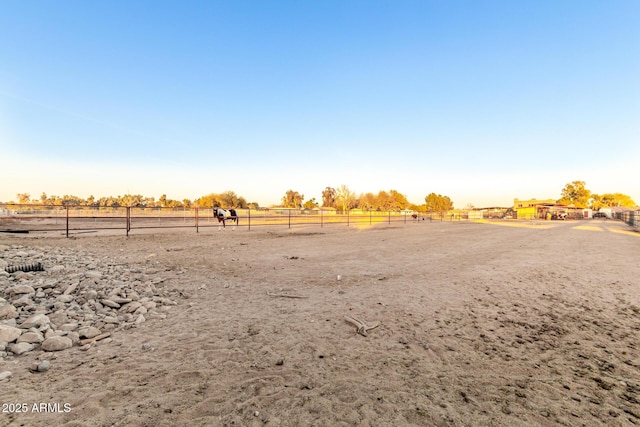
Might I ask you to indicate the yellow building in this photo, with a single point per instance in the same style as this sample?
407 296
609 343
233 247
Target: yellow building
530 209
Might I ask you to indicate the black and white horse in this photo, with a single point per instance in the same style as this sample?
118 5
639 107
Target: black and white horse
226 215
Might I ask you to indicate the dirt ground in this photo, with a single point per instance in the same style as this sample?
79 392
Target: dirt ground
480 324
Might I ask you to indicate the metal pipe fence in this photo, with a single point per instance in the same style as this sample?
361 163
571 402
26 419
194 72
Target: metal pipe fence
632 218
24 218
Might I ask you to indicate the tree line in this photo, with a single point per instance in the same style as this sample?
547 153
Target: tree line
228 198
576 193
341 198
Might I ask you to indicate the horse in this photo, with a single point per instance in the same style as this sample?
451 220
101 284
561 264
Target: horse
226 215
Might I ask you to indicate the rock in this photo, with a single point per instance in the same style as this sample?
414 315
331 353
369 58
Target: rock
58 318
57 343
8 312
93 274
35 321
48 284
31 337
70 289
68 327
141 310
21 348
20 290
110 303
89 332
64 298
131 307
23 301
5 374
74 337
9 333
40 366
80 296
111 319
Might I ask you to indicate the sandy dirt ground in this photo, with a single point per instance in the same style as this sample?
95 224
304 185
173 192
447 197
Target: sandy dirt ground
480 324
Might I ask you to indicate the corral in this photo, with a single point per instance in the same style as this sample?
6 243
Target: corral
495 323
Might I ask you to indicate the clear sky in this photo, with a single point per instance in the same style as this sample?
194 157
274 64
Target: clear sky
482 101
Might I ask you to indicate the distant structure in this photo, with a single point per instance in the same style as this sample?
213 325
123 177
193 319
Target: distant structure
548 209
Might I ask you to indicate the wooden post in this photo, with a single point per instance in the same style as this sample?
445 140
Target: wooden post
67 207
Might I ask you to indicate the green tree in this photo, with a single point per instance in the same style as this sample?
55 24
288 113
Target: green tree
292 199
575 193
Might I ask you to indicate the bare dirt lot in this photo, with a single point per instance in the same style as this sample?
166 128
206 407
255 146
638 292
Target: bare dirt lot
480 324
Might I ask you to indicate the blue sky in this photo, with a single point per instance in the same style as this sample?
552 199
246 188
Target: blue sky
482 101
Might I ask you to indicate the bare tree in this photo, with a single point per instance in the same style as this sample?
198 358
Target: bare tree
345 198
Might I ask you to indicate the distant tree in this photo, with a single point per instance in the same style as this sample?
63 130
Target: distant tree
398 201
132 200
292 199
253 205
310 204
367 202
43 198
329 197
611 199
438 203
345 198
228 199
575 193
68 200
23 198
163 200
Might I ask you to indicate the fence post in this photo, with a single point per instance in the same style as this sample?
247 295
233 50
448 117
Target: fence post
249 216
369 217
128 219
67 207
321 224
289 218
389 217
347 218
195 214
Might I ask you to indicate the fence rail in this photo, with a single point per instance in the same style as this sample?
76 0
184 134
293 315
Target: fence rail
24 218
17 218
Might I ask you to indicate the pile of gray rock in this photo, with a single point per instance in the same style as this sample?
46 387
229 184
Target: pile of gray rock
78 299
